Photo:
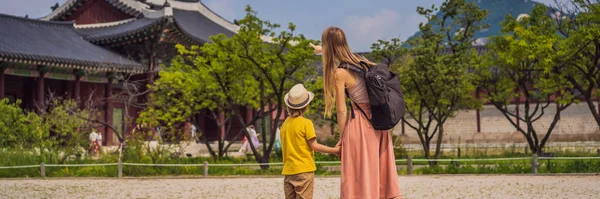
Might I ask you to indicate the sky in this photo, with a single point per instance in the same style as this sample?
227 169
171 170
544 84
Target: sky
363 21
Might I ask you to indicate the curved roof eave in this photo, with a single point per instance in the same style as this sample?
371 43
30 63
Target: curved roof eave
207 12
131 7
142 8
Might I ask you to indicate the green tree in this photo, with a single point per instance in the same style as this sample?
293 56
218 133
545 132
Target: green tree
67 129
519 65
435 82
204 78
580 52
391 53
230 73
277 65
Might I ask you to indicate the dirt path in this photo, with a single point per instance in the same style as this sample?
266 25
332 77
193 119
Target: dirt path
412 187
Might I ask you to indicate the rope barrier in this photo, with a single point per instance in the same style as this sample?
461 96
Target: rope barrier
468 160
164 165
569 158
81 165
281 163
19 167
251 164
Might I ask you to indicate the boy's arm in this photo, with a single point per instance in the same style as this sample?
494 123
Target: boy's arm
322 148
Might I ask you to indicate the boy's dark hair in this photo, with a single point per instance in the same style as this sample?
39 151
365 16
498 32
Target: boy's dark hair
296 112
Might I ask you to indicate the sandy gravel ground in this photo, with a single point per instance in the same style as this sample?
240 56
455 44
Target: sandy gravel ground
327 187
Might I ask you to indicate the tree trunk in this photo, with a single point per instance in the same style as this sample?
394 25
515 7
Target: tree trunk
438 144
592 107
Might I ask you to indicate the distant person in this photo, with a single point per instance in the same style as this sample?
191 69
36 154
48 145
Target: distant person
368 164
93 138
99 139
194 129
277 144
298 141
253 138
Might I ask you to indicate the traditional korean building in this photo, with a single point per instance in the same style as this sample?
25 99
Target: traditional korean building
75 51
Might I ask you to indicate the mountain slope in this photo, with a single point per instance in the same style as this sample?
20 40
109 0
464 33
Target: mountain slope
498 11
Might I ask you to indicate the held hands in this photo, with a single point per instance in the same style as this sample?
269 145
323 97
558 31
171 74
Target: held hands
338 148
318 49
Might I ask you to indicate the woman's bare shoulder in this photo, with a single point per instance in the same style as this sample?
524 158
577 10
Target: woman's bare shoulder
342 73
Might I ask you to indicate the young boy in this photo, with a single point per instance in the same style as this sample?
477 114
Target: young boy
298 141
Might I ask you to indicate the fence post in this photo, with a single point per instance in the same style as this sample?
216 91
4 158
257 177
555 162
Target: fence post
205 168
120 168
43 170
409 165
534 163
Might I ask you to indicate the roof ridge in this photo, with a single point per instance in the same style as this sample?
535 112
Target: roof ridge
68 24
105 25
56 12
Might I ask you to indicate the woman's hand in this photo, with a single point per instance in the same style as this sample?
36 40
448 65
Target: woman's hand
338 148
318 49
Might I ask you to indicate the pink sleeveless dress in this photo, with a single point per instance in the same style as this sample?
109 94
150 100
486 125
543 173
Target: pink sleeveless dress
368 162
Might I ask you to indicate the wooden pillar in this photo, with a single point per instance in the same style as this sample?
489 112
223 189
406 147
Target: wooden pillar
69 89
249 110
108 113
201 123
76 88
478 114
1 82
40 92
150 77
222 122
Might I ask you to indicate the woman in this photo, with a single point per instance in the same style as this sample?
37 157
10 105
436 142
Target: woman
368 162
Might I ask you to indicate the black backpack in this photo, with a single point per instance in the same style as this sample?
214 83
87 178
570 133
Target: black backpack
385 95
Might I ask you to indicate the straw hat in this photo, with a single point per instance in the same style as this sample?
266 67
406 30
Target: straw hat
298 97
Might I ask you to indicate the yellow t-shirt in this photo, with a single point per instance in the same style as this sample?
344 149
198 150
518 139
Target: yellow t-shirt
298 157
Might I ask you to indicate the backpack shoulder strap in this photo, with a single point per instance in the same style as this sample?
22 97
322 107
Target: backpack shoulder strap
352 68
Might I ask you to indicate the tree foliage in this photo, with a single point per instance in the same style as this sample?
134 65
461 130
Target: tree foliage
18 129
67 130
231 73
56 133
435 79
519 66
579 62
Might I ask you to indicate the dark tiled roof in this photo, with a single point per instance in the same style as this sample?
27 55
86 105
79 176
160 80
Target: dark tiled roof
70 5
195 25
133 27
55 43
192 24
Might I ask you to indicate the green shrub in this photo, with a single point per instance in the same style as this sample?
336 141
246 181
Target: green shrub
19 129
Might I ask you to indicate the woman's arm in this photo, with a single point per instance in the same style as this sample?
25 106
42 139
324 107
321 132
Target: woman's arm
341 76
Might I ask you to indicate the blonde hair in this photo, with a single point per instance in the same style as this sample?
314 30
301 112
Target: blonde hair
336 51
296 112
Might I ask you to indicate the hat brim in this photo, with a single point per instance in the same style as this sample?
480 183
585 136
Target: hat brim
298 106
